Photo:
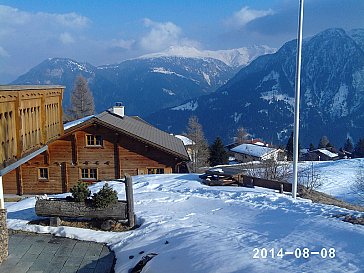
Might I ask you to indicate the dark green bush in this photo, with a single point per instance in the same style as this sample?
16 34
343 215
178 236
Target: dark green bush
105 197
80 192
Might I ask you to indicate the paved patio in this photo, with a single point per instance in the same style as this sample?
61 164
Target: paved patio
44 253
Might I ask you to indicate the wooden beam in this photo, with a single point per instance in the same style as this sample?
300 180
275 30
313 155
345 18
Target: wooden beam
19 181
64 177
74 149
60 114
116 158
43 120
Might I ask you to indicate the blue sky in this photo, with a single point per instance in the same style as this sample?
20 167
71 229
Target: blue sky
105 32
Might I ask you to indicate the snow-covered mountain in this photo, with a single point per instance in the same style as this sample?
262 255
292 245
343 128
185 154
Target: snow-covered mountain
261 95
237 57
143 85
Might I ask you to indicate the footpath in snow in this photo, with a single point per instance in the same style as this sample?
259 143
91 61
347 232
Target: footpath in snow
196 228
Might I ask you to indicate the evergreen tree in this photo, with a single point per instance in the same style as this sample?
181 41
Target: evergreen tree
323 142
348 146
200 149
359 148
82 100
289 148
218 154
312 147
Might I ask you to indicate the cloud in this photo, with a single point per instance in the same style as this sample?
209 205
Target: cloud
39 35
163 35
246 15
3 52
122 44
71 20
11 17
66 38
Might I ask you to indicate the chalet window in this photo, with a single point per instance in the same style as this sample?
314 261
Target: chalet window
155 170
93 140
90 173
43 174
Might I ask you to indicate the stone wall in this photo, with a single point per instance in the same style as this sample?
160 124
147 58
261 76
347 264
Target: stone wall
4 236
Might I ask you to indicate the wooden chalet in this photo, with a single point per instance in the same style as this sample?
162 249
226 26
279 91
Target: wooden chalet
100 147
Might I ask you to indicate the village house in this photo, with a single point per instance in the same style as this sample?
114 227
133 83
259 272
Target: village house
321 155
100 147
254 152
189 144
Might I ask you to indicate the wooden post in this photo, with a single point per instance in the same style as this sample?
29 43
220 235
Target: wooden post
19 180
64 177
18 128
43 120
281 188
116 158
129 200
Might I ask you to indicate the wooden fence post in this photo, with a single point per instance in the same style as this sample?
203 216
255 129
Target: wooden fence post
129 200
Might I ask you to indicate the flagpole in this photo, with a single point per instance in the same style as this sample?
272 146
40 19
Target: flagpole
297 103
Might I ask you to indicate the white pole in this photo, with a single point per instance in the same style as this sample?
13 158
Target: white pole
297 103
2 205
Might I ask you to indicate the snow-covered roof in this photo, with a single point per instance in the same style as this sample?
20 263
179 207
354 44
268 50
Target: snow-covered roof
76 122
253 150
186 141
328 153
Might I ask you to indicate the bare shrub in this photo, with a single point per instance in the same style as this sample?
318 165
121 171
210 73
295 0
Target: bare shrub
309 178
269 169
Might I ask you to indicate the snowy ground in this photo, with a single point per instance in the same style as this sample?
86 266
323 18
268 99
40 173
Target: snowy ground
196 228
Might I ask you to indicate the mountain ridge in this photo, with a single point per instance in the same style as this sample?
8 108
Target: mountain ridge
260 97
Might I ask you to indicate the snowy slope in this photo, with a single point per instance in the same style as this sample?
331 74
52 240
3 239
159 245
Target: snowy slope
196 228
338 177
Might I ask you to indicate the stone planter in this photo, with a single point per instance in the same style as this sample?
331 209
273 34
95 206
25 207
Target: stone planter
3 236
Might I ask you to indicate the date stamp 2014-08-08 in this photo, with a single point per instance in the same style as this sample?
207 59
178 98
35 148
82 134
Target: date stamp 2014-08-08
298 253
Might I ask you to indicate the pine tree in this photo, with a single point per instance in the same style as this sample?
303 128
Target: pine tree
359 148
200 149
289 148
218 154
323 142
312 147
82 100
348 146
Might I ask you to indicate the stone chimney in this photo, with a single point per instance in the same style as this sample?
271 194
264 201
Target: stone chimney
118 109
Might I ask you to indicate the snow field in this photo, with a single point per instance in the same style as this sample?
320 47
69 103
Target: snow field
196 228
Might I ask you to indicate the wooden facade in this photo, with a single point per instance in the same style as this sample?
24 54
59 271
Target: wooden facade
90 153
30 117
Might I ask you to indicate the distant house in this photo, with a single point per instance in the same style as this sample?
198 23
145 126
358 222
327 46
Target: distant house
321 155
100 147
253 152
188 144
